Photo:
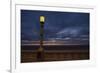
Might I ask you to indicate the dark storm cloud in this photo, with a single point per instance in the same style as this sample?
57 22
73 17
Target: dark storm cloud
57 25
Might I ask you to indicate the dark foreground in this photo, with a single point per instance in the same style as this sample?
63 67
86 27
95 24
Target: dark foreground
55 53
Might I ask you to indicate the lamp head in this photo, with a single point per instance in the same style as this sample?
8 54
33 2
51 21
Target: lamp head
42 19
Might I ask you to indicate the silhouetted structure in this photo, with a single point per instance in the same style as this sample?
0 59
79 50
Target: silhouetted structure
40 52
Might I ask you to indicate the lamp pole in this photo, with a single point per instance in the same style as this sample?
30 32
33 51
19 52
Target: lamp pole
40 54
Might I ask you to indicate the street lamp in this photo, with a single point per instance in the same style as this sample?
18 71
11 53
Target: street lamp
40 53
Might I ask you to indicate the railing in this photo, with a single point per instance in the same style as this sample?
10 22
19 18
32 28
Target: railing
31 56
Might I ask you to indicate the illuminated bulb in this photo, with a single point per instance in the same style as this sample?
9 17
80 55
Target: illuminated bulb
42 18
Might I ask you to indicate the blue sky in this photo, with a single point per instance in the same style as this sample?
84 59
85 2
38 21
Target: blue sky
58 25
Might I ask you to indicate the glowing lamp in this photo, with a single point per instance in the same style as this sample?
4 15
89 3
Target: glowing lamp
42 19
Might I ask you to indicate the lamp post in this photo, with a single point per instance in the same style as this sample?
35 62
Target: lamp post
40 53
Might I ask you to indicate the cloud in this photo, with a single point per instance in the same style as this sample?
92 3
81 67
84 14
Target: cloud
69 31
73 33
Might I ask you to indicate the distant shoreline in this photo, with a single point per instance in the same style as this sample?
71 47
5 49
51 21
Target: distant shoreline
52 44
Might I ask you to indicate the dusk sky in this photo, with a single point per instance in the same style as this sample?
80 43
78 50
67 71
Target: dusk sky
58 25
